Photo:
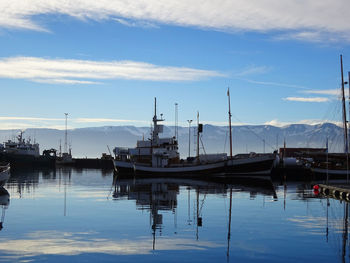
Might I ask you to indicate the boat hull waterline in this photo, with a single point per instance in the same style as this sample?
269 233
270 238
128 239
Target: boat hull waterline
261 165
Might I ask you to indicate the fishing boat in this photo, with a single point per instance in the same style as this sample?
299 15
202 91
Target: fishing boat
4 174
160 156
25 153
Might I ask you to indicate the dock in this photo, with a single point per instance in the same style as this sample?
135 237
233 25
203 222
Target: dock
97 163
338 191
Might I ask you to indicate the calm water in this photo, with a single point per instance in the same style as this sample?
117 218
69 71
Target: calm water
81 216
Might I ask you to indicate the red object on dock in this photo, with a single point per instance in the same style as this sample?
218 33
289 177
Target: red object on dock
316 187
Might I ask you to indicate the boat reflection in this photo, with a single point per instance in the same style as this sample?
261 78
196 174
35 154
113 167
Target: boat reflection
160 194
4 203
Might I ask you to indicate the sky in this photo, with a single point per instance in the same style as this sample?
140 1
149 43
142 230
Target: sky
103 62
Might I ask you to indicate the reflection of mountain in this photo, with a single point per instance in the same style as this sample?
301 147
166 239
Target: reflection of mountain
4 204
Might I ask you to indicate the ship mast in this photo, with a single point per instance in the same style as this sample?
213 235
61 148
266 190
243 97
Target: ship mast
344 107
349 101
229 119
65 136
156 128
198 131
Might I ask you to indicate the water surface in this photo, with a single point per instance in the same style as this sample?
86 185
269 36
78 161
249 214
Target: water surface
86 216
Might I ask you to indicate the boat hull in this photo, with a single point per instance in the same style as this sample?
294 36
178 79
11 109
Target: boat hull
23 160
259 165
321 173
252 167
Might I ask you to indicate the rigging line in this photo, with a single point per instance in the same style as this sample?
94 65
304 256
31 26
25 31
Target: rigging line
332 111
225 141
258 136
200 138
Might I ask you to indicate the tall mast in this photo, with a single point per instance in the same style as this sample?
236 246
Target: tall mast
198 136
65 136
229 118
349 100
344 107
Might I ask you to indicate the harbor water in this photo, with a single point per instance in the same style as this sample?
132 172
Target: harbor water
70 215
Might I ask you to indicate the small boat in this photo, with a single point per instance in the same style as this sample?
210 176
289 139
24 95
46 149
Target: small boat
160 157
4 174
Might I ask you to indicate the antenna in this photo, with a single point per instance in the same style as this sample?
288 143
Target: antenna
176 120
65 136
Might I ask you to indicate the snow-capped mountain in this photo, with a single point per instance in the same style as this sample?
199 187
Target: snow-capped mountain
92 142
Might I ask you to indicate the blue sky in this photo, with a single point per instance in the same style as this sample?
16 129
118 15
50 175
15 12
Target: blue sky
103 62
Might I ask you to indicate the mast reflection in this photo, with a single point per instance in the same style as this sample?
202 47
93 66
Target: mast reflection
160 194
4 203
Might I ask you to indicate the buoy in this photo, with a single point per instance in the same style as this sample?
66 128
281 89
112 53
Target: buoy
316 187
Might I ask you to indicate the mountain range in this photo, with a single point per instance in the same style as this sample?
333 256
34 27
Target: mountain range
93 141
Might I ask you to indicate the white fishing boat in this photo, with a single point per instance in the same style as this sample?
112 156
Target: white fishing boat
160 156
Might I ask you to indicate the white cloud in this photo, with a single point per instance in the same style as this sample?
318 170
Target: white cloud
332 92
130 23
70 71
278 123
302 99
310 20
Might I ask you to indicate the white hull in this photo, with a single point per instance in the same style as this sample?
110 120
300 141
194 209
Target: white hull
172 170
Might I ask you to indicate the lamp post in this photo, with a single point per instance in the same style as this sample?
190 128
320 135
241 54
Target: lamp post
189 137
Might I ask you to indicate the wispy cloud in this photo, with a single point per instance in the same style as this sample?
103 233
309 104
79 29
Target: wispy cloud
253 70
302 99
99 120
302 20
58 123
271 83
70 71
